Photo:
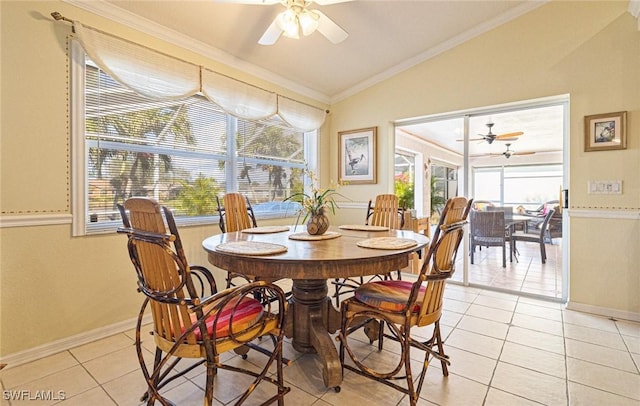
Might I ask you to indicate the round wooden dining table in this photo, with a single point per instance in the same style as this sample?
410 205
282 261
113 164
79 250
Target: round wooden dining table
310 263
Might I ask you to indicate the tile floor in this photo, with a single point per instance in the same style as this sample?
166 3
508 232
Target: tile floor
527 275
505 350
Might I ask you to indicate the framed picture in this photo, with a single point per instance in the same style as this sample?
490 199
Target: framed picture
357 156
603 132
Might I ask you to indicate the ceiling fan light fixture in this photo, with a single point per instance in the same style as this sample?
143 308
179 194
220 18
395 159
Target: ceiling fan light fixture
309 22
288 23
298 19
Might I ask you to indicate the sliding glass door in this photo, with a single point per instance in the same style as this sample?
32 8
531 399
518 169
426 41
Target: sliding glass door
510 157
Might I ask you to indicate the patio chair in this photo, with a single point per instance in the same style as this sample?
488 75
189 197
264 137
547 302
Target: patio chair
537 215
488 229
536 236
402 305
190 318
554 228
387 213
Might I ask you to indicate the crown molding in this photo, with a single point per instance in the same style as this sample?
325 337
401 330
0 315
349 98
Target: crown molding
136 22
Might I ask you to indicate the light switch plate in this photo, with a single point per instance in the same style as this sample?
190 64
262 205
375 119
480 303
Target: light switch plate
604 187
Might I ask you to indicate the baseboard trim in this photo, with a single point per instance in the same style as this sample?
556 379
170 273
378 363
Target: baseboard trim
604 311
68 343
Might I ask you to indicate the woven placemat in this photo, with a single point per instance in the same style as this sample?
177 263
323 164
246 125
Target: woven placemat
251 248
363 227
265 230
308 237
387 243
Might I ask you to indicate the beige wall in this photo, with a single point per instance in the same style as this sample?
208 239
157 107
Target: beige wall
589 50
53 286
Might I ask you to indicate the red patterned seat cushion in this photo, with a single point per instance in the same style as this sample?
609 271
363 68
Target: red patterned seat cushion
388 295
246 314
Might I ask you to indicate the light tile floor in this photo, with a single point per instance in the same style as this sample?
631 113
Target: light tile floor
527 274
505 350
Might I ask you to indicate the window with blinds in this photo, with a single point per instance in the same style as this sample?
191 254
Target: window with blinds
182 153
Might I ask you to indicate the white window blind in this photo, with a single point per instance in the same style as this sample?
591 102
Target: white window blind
183 153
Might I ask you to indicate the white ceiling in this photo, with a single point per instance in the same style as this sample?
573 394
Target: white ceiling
385 37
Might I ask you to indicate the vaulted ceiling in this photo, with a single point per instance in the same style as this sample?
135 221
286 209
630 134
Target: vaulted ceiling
385 37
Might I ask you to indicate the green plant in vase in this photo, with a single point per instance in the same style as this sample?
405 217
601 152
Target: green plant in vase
314 204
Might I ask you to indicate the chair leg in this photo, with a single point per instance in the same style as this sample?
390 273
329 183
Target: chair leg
380 335
336 281
504 255
208 390
438 339
543 253
406 353
510 253
280 376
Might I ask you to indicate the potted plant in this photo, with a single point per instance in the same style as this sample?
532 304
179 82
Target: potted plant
314 205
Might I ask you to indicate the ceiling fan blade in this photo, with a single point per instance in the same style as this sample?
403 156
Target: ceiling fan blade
271 35
509 135
506 139
523 153
473 139
330 29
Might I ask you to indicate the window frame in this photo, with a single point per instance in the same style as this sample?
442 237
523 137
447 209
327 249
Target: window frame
80 147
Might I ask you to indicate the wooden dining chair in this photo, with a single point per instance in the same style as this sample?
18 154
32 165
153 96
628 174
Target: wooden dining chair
536 235
401 305
386 212
191 319
236 214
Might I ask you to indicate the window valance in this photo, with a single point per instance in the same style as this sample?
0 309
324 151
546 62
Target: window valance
143 70
160 76
238 98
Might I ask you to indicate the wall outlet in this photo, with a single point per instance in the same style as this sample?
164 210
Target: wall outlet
597 187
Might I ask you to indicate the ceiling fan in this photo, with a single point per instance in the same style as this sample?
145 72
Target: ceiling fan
299 18
490 137
509 152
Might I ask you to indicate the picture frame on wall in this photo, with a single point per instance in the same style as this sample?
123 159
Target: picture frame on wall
605 132
357 156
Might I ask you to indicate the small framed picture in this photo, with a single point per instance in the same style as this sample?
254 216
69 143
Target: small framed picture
357 156
604 132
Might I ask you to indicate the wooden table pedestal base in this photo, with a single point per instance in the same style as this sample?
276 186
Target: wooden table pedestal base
310 302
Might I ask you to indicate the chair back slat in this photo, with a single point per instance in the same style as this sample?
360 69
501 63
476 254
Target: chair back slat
488 224
162 268
238 214
385 212
439 263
